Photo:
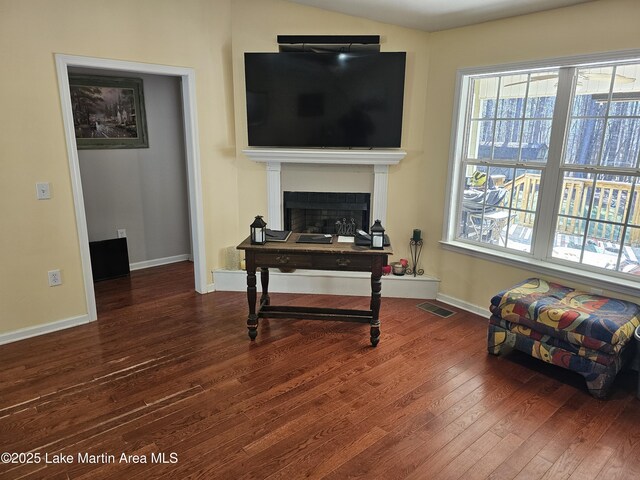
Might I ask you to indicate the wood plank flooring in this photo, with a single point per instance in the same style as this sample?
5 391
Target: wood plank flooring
167 374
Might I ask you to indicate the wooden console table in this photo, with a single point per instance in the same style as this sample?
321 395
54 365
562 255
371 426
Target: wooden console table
335 256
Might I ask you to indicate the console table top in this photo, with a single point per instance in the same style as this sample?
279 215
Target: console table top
290 246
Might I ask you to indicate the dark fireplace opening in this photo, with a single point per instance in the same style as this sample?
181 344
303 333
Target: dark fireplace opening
326 212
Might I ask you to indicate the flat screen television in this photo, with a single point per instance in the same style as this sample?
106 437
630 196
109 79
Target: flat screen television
307 99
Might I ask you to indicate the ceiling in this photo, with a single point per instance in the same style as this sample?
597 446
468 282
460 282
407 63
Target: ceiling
434 15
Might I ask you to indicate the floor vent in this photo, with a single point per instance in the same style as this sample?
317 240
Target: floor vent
435 309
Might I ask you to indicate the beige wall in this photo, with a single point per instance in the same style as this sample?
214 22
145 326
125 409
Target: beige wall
210 36
41 235
606 25
191 33
255 26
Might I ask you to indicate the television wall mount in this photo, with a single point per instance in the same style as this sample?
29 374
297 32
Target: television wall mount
329 43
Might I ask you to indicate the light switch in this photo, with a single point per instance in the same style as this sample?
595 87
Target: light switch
43 190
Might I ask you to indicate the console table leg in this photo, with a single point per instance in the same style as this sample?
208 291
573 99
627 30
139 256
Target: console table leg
264 280
252 319
376 288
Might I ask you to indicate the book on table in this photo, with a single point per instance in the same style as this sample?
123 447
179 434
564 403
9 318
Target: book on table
314 238
277 235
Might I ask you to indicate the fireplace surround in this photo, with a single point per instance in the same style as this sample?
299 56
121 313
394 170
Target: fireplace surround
378 162
373 166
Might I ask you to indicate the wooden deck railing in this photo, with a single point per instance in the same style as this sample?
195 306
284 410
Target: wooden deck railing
612 199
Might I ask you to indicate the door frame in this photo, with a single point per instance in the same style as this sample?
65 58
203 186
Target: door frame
192 152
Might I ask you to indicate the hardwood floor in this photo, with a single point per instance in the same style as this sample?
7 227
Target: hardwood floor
167 371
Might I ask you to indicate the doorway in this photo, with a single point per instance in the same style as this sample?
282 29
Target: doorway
187 80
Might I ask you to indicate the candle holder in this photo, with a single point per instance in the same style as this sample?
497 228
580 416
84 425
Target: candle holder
258 234
377 236
415 246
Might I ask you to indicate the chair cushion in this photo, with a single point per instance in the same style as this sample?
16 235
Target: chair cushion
580 318
597 356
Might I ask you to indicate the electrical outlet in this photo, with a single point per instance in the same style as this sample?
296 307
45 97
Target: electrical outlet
54 278
43 190
122 233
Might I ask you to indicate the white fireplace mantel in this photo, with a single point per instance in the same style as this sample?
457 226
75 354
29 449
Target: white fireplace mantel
327 156
379 160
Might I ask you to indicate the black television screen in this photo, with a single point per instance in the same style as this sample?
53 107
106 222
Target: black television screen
306 99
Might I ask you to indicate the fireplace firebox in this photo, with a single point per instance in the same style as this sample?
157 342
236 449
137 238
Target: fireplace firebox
326 212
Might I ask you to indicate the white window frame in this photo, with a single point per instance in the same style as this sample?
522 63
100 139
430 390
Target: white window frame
539 260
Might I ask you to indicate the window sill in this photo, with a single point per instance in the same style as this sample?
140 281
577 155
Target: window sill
566 272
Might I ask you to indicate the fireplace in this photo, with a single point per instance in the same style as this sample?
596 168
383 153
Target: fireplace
326 212
377 161
321 170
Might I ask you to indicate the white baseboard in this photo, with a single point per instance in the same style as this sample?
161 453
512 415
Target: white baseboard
159 261
29 332
330 283
469 307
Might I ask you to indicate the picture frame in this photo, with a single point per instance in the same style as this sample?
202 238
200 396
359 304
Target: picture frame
108 112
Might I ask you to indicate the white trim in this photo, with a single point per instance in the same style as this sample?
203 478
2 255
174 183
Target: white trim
568 61
326 156
159 261
469 307
331 283
192 147
564 271
275 157
452 189
380 193
187 76
76 185
274 195
28 332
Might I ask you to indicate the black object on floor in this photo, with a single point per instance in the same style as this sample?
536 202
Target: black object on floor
109 258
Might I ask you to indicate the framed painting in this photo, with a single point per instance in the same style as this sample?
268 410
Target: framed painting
108 112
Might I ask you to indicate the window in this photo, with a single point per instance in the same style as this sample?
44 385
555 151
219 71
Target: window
547 166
